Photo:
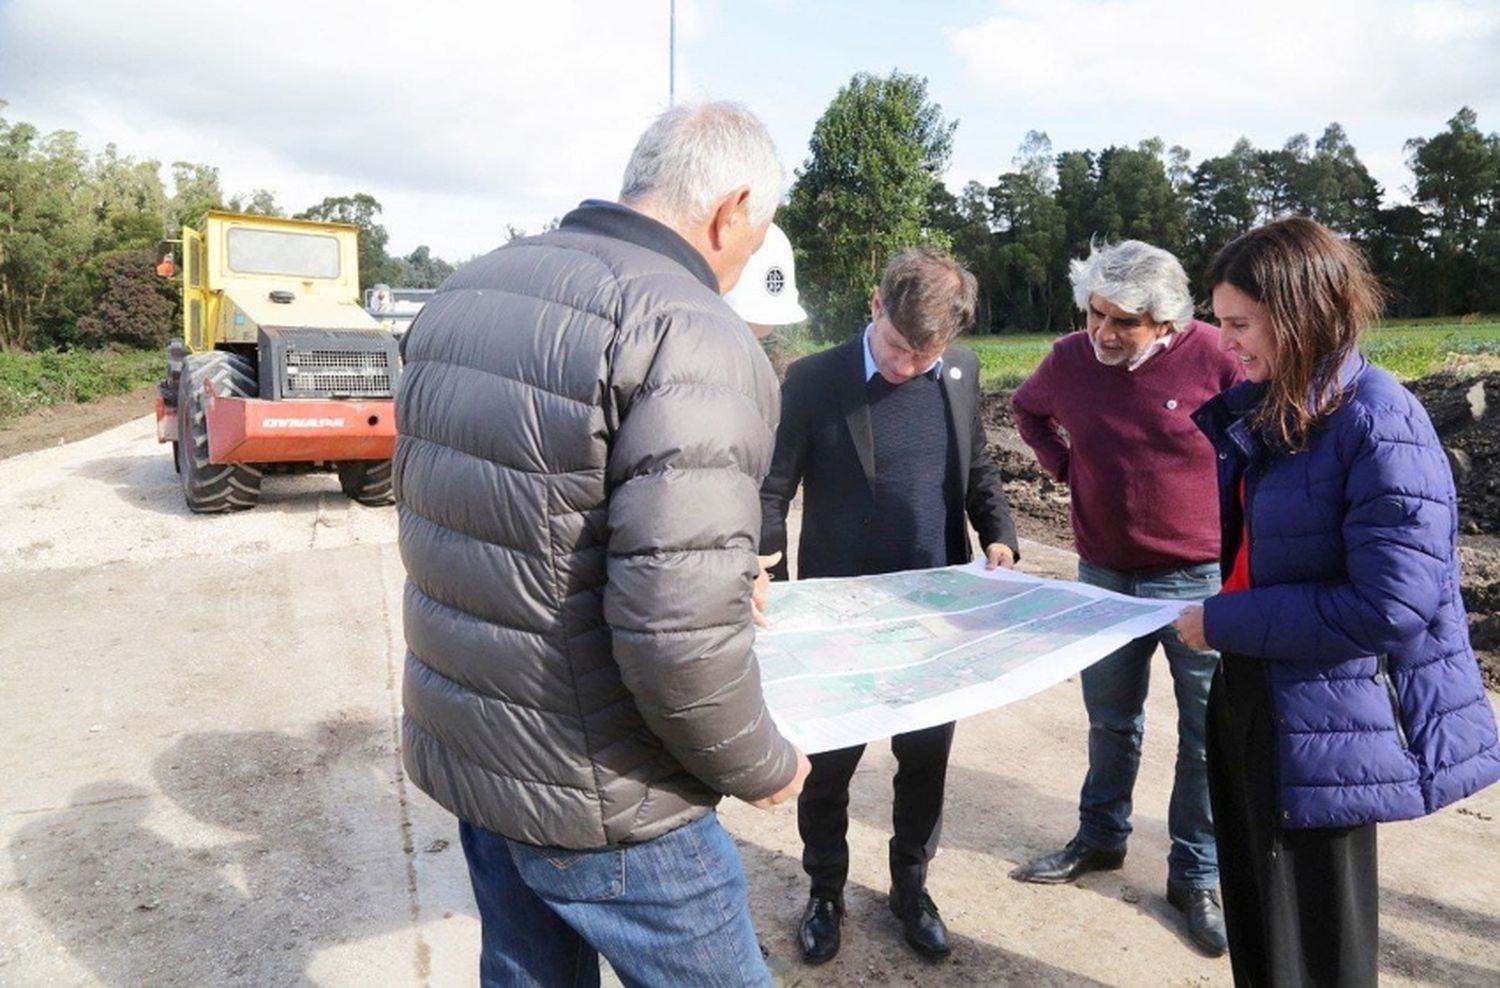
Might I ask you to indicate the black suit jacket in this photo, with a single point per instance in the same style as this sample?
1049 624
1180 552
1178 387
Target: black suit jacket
825 444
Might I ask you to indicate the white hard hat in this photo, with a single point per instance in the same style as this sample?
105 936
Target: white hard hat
767 291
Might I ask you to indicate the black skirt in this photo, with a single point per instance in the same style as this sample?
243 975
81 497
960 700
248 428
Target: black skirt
1301 907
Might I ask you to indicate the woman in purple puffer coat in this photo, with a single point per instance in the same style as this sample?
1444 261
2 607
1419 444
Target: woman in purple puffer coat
1348 693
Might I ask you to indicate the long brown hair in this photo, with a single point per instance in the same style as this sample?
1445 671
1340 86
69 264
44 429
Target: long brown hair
1320 296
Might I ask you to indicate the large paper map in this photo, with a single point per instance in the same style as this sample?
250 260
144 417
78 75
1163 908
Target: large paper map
845 661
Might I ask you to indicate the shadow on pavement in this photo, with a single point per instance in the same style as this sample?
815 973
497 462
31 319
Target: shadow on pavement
278 867
874 952
1401 956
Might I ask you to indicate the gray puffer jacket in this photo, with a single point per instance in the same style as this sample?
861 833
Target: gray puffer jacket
583 426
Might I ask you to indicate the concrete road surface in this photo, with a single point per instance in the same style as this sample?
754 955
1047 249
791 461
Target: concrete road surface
200 783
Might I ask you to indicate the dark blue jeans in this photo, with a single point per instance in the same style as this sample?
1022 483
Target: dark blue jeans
1114 693
671 911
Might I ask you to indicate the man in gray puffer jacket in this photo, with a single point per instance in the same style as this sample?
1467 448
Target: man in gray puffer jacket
583 427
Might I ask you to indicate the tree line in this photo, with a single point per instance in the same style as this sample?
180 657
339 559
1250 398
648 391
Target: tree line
79 231
871 185
79 235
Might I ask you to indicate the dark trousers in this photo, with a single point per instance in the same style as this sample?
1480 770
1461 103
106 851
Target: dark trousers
1301 907
916 812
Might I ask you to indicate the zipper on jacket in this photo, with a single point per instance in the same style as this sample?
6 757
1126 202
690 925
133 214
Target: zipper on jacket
1229 498
1281 814
1245 526
1383 677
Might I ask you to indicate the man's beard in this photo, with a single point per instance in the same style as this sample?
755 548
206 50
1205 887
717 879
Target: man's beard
1114 358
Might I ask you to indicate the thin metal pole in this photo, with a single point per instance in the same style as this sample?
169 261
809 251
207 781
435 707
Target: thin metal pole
672 55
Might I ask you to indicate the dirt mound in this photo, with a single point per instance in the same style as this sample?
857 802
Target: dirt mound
1039 503
66 423
1465 410
1466 413
1480 555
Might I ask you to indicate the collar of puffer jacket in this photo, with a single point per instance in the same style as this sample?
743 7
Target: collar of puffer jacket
1225 419
620 222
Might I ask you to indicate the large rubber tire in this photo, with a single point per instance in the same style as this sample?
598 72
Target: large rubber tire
207 487
367 481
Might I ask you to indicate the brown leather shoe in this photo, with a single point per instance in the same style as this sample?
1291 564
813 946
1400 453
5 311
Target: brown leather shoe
924 929
1068 864
818 936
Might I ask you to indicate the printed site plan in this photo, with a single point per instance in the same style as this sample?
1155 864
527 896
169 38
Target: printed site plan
851 660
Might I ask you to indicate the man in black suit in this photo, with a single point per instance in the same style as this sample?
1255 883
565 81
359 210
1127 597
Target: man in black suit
885 437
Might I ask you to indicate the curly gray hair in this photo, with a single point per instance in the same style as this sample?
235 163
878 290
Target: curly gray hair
1137 277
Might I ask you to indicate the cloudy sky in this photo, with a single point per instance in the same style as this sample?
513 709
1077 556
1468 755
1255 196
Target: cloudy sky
464 117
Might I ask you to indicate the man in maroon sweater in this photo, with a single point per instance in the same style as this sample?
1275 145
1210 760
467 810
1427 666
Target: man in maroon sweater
1107 412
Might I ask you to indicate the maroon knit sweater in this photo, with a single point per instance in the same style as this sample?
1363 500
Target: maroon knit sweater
1141 475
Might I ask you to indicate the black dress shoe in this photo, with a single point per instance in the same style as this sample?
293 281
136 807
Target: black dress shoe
920 922
1072 861
1204 915
818 936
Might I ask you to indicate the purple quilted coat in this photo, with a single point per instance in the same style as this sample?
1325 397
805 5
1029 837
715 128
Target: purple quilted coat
1377 702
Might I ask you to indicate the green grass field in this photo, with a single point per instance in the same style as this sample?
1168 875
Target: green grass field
1417 347
1006 360
33 380
1407 348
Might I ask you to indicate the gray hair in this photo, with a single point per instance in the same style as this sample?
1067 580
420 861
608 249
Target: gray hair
1137 277
693 155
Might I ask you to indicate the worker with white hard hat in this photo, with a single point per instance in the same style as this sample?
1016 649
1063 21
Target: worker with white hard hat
766 295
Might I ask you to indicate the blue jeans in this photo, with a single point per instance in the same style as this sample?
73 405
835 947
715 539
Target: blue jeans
1114 693
671 911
